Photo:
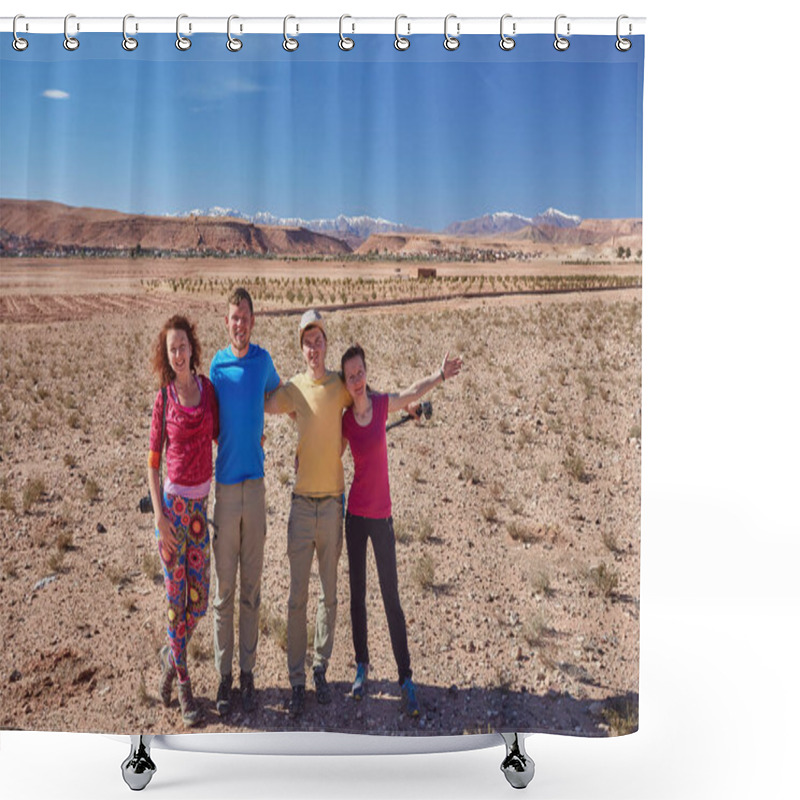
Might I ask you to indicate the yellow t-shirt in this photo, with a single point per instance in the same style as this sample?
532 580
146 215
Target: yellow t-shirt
318 406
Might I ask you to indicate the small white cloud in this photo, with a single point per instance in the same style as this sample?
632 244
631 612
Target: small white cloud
55 94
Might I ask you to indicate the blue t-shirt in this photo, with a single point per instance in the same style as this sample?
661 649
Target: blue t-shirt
241 384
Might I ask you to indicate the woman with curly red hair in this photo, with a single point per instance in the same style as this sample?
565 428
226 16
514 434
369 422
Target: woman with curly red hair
190 420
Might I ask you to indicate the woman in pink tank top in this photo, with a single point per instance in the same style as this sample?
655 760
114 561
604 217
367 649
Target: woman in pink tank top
369 511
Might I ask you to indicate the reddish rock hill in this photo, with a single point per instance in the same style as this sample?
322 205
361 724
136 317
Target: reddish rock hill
35 227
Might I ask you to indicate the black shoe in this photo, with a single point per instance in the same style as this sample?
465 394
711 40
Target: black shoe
321 685
224 695
297 702
248 692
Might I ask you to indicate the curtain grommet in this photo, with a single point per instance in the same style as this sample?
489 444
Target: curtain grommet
18 43
622 44
70 42
128 42
401 43
506 42
181 42
345 42
289 44
451 43
233 44
561 44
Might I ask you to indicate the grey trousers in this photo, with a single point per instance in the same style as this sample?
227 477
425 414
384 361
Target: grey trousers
315 526
240 519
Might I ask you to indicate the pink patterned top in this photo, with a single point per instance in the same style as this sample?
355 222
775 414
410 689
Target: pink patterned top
190 432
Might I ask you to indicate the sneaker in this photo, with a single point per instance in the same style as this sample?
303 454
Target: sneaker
360 683
297 702
224 695
167 676
248 691
321 686
409 692
190 711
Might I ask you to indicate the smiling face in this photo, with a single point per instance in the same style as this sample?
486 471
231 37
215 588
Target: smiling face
314 348
240 322
179 352
355 378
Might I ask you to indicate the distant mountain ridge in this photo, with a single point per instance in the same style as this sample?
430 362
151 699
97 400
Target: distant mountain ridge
359 228
352 230
508 222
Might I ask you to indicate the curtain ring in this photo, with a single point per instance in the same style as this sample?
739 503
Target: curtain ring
128 42
289 44
400 42
233 44
181 42
561 43
450 42
345 43
506 42
622 44
70 42
19 44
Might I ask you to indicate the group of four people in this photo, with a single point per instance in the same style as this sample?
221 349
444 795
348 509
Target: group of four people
331 410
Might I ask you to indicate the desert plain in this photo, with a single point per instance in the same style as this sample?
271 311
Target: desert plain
516 505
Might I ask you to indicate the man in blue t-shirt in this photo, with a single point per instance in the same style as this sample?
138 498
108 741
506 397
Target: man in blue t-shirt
243 375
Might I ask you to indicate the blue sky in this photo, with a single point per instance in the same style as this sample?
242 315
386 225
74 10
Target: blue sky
424 137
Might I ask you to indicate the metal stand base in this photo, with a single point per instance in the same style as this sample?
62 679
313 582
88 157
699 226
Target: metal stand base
138 768
518 766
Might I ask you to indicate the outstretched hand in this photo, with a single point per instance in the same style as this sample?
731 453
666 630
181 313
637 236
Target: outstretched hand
451 366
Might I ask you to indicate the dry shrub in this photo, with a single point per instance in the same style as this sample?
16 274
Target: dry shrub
425 572
605 578
32 492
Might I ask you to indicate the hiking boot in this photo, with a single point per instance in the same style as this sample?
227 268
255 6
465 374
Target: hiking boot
360 683
409 692
191 713
224 695
248 691
168 674
297 702
321 686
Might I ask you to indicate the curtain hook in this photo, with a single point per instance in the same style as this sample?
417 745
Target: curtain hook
401 42
19 44
345 43
289 44
450 42
233 44
128 42
622 44
70 42
506 42
561 43
181 42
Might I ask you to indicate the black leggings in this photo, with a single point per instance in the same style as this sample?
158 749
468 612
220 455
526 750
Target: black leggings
357 531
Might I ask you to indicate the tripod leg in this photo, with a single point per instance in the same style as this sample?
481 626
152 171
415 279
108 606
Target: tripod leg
138 768
518 766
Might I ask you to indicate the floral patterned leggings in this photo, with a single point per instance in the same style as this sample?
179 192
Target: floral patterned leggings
186 574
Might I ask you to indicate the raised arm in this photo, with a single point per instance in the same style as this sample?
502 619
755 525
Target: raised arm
449 369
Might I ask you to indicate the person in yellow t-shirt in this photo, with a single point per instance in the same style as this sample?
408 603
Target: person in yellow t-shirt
316 398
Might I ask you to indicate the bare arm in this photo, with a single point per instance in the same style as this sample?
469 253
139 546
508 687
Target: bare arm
166 531
449 369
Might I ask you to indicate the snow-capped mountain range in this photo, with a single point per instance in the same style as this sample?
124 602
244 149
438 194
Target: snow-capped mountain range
362 227
508 222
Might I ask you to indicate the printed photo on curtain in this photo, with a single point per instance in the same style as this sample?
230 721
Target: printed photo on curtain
321 377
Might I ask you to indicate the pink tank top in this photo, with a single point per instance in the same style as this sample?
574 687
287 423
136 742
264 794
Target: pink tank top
369 495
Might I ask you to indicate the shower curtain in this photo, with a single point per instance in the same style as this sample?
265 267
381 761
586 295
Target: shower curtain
430 203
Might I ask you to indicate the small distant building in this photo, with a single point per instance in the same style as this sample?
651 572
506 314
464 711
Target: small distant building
426 272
